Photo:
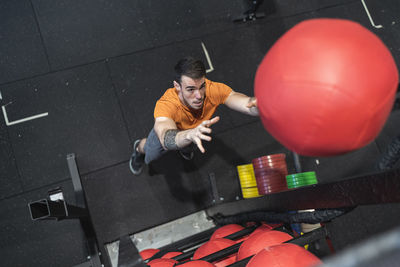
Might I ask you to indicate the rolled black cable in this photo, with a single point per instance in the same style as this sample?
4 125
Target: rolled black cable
390 156
318 216
313 217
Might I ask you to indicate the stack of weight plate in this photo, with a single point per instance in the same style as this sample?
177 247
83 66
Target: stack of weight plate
247 181
270 172
301 179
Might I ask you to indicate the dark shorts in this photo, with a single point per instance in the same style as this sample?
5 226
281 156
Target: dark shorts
153 149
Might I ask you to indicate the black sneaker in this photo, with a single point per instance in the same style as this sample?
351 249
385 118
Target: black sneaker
137 160
187 155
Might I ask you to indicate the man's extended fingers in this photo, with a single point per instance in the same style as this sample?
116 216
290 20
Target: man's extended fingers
199 144
214 120
208 123
205 130
205 137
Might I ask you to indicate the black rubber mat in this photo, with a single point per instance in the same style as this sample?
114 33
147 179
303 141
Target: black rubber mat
76 33
9 180
385 13
83 118
39 243
279 9
21 48
192 19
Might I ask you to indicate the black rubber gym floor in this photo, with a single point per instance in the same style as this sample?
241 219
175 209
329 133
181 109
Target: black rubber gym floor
92 72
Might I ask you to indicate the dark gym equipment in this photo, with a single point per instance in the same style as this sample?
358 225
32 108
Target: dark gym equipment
301 241
371 189
390 156
54 207
47 209
252 13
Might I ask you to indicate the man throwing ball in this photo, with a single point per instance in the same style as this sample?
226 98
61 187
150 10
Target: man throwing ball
184 114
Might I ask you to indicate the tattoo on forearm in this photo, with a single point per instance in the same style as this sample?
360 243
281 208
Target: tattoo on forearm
169 139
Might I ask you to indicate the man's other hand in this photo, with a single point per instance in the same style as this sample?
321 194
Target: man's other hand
201 132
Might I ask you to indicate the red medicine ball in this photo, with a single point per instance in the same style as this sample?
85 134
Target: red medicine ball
162 263
213 246
284 255
326 87
260 241
262 228
226 230
171 254
197 264
148 253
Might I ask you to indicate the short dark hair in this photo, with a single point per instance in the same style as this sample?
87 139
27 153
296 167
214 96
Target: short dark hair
190 67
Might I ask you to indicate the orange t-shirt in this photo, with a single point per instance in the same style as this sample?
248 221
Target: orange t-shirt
170 106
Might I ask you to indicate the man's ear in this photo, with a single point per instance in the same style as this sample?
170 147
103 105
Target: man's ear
177 86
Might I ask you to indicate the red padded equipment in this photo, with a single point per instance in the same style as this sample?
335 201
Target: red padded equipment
284 255
262 228
226 230
215 245
260 241
326 87
148 253
171 254
162 263
197 264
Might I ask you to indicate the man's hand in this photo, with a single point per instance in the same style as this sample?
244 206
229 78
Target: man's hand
252 103
196 135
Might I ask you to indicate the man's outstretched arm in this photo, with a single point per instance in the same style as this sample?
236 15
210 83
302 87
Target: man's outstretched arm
173 139
242 103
